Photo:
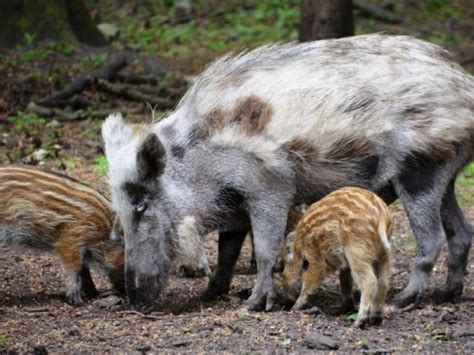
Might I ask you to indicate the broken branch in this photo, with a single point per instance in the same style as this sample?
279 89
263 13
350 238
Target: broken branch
376 12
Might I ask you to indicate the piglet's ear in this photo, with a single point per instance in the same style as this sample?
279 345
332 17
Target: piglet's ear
151 158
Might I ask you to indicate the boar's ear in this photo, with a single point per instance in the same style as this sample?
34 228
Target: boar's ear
116 133
151 158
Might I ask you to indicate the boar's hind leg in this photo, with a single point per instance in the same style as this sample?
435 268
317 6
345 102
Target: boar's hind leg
421 187
230 244
459 234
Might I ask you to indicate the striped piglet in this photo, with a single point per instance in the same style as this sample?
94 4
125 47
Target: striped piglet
349 230
54 212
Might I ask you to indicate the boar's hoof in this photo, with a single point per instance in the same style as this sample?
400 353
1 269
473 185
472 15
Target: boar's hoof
347 307
259 303
404 299
215 288
363 323
447 294
75 301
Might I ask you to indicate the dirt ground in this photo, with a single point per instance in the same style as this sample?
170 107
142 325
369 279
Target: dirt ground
35 318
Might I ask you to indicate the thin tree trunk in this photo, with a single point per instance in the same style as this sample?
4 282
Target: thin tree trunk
322 19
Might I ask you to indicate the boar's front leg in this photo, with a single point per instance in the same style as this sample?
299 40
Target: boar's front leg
229 247
268 220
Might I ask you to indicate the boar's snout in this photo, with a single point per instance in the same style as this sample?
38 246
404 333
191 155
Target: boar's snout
141 290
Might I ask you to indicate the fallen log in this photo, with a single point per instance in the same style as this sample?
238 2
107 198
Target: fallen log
376 12
82 82
131 93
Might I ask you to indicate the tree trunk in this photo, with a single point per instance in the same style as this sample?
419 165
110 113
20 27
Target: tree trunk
322 19
55 20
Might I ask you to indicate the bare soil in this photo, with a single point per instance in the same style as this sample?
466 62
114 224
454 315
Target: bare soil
34 316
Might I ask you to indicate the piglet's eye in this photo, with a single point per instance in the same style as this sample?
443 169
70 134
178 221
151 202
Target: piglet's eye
140 208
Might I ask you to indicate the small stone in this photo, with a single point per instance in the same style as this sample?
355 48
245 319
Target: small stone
320 342
183 12
463 332
293 335
39 155
448 317
178 342
108 30
144 349
74 333
11 141
108 302
39 350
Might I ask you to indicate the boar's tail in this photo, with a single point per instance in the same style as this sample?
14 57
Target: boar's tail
384 229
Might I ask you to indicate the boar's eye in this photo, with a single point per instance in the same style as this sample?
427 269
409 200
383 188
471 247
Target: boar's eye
140 208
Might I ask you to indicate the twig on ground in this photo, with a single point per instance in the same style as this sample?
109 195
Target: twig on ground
133 79
131 93
36 309
143 315
376 12
82 82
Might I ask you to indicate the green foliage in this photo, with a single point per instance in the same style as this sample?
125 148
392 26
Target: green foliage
64 48
273 20
439 9
101 165
24 121
29 38
352 317
5 339
34 55
95 61
466 177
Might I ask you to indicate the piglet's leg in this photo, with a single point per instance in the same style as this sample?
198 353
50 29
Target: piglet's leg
87 284
72 263
345 279
314 270
367 281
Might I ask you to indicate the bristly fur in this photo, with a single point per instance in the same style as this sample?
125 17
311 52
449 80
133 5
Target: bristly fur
282 125
348 230
50 211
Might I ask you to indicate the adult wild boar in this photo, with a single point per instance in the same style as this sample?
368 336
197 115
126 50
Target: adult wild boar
282 125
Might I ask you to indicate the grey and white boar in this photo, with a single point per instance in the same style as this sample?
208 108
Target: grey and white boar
348 230
53 212
281 125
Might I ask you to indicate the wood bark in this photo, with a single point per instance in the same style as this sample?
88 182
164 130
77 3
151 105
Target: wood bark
55 20
322 19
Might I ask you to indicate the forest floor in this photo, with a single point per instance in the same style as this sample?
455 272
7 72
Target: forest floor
34 316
